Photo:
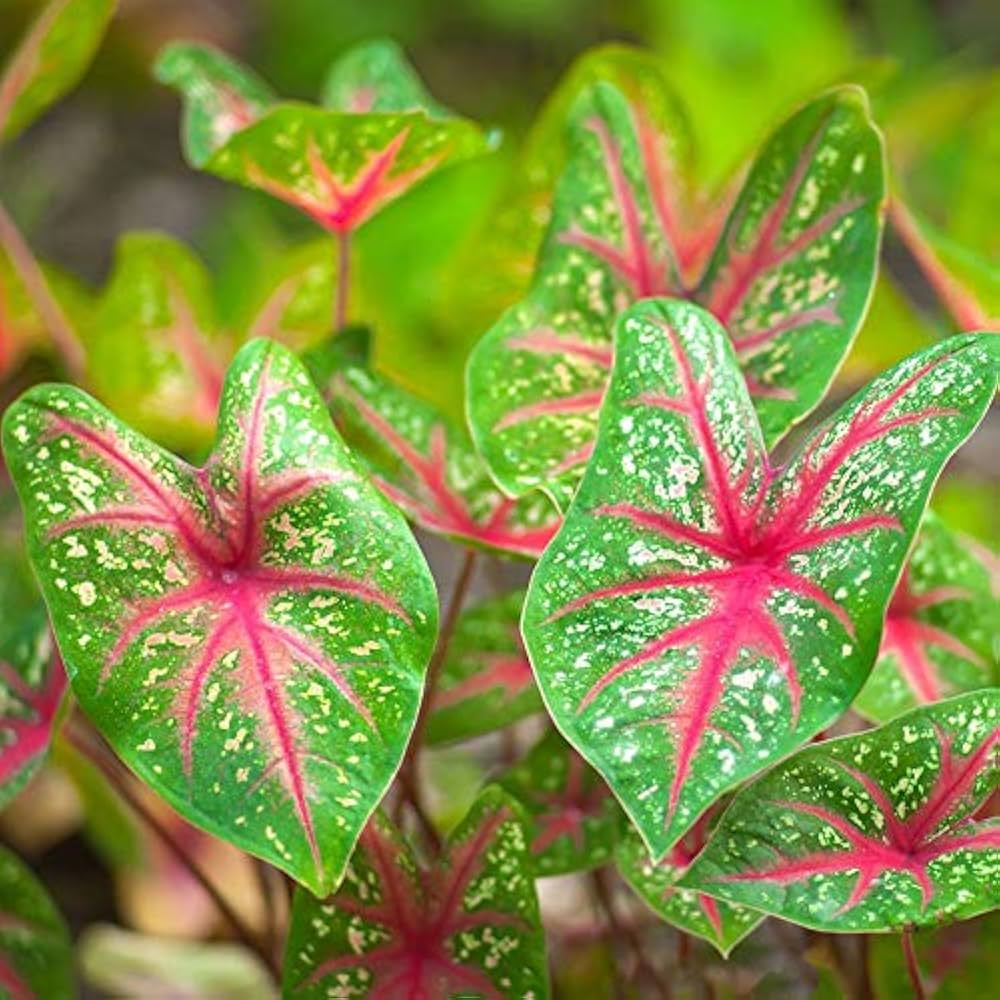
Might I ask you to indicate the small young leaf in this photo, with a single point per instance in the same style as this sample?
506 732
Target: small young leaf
723 924
50 59
36 958
575 821
220 96
376 77
469 927
702 613
248 635
428 467
873 832
32 681
939 629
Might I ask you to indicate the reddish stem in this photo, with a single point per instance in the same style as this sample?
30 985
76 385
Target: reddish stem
912 967
343 238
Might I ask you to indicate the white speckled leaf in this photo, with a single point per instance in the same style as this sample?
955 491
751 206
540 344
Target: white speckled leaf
468 927
251 636
873 832
702 613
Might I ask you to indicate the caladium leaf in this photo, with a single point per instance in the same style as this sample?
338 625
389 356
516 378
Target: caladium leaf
251 636
220 95
375 76
789 278
32 682
723 924
50 59
575 821
36 958
873 832
702 613
939 628
428 467
468 927
486 681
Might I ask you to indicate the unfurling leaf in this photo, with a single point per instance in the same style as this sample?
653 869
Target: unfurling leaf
251 635
702 613
789 278
723 924
32 682
50 59
36 958
428 467
575 821
468 927
873 832
939 628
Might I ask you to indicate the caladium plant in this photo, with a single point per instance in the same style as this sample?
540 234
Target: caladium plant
702 612
872 832
789 278
939 631
250 635
467 927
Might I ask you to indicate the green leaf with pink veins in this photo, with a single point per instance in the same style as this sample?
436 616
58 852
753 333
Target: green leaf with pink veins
939 631
887 829
702 613
789 278
50 59
36 957
221 96
251 636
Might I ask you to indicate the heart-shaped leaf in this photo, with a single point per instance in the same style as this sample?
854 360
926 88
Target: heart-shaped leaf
939 628
486 681
873 832
702 613
575 821
723 924
468 927
36 958
428 467
221 96
251 636
50 59
790 279
32 681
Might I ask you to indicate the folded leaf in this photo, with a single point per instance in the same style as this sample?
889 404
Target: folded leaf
468 927
723 924
486 681
428 467
789 279
251 636
939 629
702 613
575 821
50 59
873 832
220 96
36 958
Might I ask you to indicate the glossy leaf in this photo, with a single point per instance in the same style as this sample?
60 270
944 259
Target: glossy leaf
468 927
723 924
789 278
486 681
36 959
32 682
939 629
575 821
872 832
50 59
702 613
428 467
251 636
220 96
375 77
